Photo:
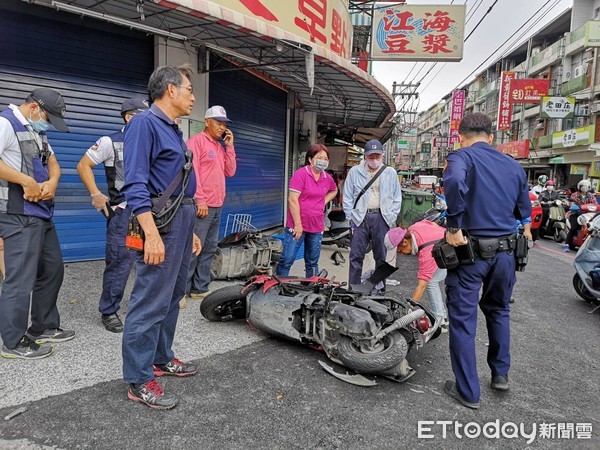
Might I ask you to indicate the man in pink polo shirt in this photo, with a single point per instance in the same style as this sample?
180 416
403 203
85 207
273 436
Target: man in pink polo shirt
212 163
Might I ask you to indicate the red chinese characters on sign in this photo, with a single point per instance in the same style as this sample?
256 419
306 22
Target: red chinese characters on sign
528 90
418 32
456 114
436 43
516 149
339 36
315 18
397 21
438 21
504 104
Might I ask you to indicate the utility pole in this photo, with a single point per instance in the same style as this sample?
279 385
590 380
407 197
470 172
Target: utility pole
403 93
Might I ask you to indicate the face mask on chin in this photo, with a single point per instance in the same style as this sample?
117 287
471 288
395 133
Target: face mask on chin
374 163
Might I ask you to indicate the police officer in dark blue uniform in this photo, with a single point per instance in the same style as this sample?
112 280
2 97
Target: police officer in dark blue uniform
108 150
487 213
155 153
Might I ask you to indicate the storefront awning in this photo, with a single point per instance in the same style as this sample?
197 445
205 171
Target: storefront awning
342 95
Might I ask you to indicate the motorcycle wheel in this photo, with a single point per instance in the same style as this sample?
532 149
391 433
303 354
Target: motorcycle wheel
224 305
582 290
559 236
392 351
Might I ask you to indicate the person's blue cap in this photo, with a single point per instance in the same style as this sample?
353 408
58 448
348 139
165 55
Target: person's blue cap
137 103
373 146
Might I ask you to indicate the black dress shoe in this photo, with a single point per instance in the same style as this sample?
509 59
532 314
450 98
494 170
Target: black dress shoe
450 388
112 323
499 382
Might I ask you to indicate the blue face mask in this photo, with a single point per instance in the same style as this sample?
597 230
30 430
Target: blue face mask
39 125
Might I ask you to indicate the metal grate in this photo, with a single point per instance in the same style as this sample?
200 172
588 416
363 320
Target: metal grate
238 222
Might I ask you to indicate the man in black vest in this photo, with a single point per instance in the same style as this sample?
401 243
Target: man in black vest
29 174
108 150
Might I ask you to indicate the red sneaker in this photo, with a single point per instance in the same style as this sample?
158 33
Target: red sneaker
175 368
151 394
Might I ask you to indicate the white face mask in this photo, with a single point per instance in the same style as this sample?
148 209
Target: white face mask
550 188
320 164
374 163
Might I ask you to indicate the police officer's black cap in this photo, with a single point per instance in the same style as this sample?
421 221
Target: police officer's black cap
53 105
475 123
136 103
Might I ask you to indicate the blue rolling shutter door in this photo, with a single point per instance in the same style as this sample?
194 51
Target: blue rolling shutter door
95 69
258 112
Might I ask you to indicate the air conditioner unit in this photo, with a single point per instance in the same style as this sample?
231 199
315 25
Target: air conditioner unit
567 76
596 107
577 71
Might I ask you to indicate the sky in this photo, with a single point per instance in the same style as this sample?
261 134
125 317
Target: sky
507 19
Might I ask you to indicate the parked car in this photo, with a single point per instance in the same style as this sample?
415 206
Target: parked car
536 216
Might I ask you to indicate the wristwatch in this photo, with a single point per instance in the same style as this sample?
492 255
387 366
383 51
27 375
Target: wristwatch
452 230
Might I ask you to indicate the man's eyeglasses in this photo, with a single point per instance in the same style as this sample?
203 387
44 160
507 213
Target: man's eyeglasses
189 87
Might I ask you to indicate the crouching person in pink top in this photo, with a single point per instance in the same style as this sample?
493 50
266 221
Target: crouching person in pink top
419 240
311 188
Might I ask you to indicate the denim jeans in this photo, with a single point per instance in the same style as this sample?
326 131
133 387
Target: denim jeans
207 229
119 261
373 228
154 303
434 294
312 251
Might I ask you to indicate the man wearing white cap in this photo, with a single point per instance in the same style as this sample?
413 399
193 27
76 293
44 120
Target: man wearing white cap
108 151
372 201
29 174
212 163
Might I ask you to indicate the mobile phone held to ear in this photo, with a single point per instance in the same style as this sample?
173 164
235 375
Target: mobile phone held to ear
224 135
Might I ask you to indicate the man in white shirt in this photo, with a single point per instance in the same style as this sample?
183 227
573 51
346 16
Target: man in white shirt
29 174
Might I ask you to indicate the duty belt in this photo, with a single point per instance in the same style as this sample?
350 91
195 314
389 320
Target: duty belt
487 247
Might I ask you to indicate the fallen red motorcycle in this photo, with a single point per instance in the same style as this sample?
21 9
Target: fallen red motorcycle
368 334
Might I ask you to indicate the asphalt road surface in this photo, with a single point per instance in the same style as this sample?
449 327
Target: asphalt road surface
253 391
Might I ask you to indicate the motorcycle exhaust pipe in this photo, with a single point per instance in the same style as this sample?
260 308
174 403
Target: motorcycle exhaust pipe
401 322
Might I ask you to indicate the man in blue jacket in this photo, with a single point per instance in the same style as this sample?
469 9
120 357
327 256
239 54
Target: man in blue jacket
488 215
154 155
371 211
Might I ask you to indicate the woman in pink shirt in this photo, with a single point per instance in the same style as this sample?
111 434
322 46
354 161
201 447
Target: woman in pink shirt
311 188
419 240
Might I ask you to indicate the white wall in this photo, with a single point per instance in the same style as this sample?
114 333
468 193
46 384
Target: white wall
174 53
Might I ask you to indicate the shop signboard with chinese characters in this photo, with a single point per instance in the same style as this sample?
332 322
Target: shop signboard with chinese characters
504 104
516 149
595 169
573 137
592 33
557 107
418 33
426 147
456 115
325 22
528 90
441 142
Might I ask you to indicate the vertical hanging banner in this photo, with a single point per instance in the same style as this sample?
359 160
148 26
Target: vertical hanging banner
456 115
504 104
418 33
